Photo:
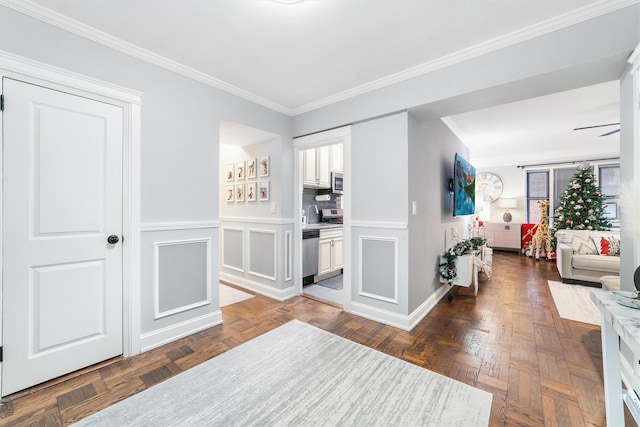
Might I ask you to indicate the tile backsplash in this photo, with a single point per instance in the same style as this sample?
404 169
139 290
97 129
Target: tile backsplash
309 198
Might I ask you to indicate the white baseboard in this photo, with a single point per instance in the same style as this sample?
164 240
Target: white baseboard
153 339
406 323
424 308
259 288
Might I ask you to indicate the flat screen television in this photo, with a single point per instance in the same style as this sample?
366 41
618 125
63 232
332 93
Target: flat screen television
464 187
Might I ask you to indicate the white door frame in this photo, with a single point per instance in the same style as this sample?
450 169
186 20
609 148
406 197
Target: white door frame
38 73
342 136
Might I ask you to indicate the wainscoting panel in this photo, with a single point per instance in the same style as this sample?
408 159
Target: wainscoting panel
262 253
233 248
379 268
182 276
288 255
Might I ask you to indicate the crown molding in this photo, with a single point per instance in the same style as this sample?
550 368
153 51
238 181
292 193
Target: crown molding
61 21
557 23
577 16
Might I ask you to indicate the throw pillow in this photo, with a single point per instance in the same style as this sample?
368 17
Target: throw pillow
607 245
582 244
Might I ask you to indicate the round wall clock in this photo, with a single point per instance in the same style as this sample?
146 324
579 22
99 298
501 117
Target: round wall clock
490 185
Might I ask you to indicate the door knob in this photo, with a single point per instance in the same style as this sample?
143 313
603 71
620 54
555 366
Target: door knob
113 239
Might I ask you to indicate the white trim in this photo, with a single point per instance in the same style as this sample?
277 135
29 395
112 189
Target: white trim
406 323
224 264
519 36
380 315
556 23
49 73
263 220
275 253
259 288
389 225
35 72
153 339
634 58
76 27
396 267
425 308
156 277
178 225
288 257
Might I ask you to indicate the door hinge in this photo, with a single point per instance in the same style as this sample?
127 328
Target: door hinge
1 102
1 359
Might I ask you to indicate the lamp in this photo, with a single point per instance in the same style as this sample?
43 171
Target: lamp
508 204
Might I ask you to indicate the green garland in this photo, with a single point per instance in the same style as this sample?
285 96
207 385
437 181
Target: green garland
463 247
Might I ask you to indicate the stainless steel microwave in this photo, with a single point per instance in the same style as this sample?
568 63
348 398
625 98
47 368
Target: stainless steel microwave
337 183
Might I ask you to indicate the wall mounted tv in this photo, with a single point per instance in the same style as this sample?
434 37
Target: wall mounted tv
464 187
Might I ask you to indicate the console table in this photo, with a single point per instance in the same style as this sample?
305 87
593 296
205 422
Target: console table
503 235
618 323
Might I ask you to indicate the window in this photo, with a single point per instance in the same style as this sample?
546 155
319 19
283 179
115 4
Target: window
552 183
609 183
537 190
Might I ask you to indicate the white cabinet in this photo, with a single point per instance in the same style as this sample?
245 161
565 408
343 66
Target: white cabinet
504 235
330 251
316 169
336 162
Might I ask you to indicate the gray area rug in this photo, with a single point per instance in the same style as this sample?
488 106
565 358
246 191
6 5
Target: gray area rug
574 302
299 375
332 282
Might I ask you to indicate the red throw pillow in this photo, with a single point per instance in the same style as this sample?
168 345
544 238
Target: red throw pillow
604 246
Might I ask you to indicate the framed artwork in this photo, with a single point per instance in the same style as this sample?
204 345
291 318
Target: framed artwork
263 191
252 168
230 193
230 172
239 192
263 166
240 171
252 192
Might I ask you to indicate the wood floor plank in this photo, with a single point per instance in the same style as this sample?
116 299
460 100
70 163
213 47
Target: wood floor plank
509 341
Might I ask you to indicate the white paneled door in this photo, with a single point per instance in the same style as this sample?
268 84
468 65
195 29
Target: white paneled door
62 214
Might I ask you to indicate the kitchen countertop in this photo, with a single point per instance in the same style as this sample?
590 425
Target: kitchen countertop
320 225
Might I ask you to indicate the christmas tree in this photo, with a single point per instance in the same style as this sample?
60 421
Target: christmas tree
581 204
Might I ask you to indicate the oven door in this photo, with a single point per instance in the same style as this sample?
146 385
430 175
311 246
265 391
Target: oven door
336 183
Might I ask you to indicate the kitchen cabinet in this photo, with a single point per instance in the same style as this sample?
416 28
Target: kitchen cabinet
330 252
336 162
503 235
316 168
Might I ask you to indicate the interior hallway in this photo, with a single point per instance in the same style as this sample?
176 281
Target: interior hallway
509 341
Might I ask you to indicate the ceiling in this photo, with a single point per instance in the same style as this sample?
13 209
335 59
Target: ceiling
297 57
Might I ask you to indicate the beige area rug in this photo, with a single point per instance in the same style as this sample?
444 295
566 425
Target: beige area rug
574 302
229 295
301 376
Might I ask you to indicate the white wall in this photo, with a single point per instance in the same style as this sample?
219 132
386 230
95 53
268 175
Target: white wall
432 148
179 150
514 187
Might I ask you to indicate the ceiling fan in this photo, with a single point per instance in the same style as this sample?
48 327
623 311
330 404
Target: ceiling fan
600 126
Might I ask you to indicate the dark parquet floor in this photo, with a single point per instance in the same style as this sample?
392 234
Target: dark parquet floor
509 341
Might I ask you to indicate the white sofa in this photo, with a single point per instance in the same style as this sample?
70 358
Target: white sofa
580 261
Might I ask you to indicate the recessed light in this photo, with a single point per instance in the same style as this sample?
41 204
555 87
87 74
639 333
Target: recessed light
288 1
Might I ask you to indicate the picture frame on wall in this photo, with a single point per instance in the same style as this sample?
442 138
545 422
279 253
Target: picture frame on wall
240 170
230 172
252 192
263 191
252 169
230 193
239 192
263 167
